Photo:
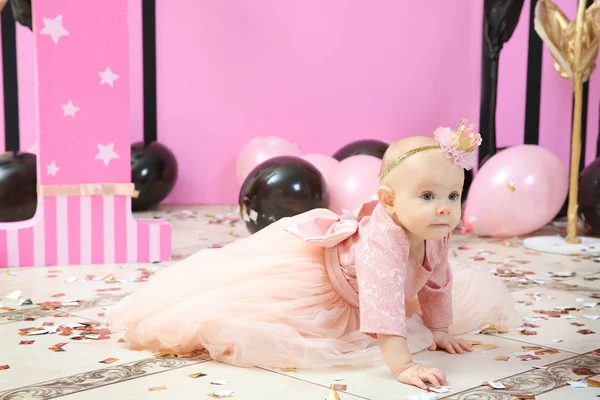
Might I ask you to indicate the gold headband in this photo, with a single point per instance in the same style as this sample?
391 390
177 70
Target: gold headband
403 157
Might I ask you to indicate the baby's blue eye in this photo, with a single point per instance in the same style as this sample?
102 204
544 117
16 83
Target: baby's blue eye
454 196
427 196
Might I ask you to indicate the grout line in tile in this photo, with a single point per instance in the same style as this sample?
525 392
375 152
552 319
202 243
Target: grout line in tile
313 383
536 344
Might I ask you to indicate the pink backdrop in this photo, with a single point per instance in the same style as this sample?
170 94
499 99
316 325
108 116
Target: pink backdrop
322 74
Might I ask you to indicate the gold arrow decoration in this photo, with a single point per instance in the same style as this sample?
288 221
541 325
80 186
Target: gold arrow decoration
558 33
574 48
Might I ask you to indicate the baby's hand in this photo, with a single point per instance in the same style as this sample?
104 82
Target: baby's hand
449 343
417 375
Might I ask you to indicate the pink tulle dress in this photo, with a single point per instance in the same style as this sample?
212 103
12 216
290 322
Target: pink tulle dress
312 291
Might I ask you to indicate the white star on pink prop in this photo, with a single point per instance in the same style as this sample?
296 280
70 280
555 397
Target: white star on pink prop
54 28
106 153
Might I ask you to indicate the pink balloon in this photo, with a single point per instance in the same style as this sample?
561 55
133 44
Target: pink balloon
261 149
355 180
516 192
32 149
324 163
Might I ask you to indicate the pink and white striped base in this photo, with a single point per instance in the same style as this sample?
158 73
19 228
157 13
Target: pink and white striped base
80 230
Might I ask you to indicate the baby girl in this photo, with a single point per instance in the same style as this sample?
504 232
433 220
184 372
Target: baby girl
321 289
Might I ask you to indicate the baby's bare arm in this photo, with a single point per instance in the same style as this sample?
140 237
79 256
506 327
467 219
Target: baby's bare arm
399 360
395 353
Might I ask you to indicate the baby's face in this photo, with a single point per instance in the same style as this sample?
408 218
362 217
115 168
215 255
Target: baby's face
427 199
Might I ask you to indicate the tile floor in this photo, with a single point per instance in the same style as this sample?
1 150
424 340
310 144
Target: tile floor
565 347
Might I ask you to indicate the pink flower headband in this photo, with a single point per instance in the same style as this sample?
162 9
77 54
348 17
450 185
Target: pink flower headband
458 145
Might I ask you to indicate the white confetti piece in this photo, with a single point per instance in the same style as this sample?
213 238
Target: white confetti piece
20 302
92 336
442 389
590 316
578 384
36 333
223 393
562 274
253 215
219 382
531 319
563 308
74 325
14 295
524 353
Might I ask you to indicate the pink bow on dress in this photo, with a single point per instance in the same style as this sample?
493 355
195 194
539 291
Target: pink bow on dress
330 231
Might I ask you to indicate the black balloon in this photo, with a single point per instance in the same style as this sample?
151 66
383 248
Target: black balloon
281 187
18 186
373 148
589 195
21 10
154 173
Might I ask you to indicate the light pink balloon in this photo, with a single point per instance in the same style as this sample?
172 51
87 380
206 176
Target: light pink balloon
354 181
261 149
540 182
324 163
32 149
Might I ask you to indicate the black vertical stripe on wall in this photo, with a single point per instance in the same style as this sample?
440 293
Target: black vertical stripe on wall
598 139
534 82
149 66
11 87
487 111
584 115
